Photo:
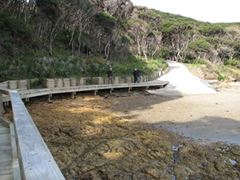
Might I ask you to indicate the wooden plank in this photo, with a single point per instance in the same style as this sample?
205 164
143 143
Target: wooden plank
5 148
4 85
5 156
4 130
12 84
6 170
43 92
4 139
36 160
15 163
5 136
6 177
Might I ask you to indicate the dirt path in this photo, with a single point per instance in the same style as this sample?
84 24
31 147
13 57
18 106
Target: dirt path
213 117
182 82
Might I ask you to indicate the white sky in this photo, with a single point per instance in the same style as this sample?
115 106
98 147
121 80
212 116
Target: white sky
204 10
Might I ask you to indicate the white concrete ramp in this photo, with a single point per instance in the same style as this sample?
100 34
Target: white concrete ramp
182 82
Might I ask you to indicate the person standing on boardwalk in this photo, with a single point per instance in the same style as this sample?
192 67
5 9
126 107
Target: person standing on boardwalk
135 75
138 76
110 76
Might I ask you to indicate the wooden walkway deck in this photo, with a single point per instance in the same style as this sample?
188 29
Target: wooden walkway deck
25 155
30 93
9 164
5 153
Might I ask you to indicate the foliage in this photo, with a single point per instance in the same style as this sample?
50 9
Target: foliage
13 33
145 66
200 44
25 66
106 18
165 53
61 38
198 61
237 50
177 25
211 29
233 62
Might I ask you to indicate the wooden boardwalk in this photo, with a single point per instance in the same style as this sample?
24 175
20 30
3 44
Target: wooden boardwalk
30 93
5 152
25 155
9 165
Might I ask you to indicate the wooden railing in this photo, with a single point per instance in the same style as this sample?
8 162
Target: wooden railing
36 161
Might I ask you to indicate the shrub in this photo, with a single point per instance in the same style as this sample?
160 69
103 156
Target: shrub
232 62
166 53
221 77
106 19
211 29
201 45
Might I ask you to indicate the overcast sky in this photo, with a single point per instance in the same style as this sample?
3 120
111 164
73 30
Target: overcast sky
204 10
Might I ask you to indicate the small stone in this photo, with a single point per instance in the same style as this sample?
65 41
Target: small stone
152 172
176 147
233 162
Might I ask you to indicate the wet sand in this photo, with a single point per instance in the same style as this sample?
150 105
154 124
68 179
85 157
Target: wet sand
123 136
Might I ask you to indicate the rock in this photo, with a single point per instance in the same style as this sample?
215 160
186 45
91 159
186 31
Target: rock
233 162
176 147
152 172
218 165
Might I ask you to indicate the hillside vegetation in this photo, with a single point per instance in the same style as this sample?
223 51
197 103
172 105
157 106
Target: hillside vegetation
63 38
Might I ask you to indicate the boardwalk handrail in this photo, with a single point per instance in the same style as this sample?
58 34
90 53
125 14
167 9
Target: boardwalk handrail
30 93
36 161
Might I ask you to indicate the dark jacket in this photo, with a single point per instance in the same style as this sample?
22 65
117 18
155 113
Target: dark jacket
136 73
110 73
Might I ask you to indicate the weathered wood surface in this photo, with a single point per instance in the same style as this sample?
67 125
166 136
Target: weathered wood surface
6 171
36 160
43 92
15 162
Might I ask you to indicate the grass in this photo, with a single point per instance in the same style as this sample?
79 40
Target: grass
217 71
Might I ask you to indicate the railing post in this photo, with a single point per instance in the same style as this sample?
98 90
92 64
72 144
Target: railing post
50 98
95 92
1 106
129 89
73 94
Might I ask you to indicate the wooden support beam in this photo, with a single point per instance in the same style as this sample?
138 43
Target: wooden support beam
95 92
6 103
27 99
111 90
50 98
129 89
73 94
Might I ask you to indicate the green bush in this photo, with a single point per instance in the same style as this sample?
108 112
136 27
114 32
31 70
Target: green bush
201 45
13 24
106 18
232 62
166 53
237 50
211 29
221 77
